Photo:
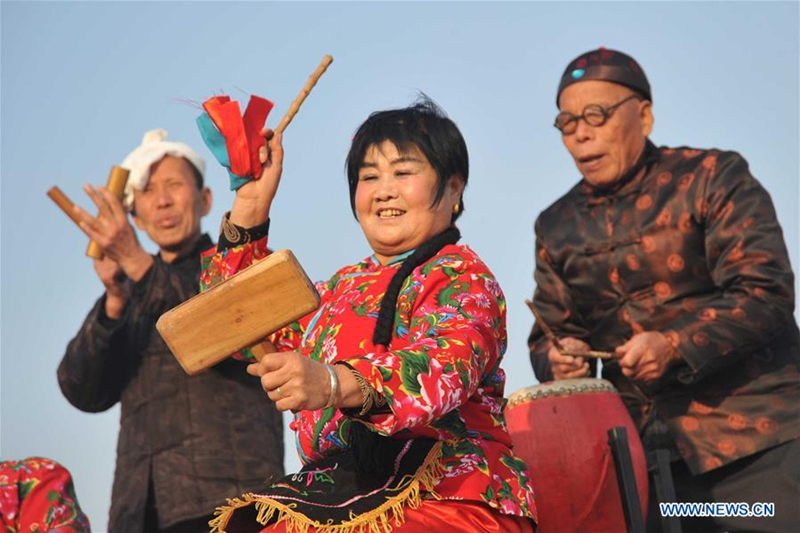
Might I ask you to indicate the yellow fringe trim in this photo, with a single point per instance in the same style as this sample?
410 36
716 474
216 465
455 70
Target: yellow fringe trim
378 520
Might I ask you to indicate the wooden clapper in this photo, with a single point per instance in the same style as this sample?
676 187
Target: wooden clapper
238 313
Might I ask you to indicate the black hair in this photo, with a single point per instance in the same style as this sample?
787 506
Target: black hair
423 125
373 452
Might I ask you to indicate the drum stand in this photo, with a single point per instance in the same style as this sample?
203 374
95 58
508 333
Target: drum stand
631 506
662 482
661 471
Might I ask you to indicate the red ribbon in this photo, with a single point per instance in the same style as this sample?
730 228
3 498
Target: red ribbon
241 132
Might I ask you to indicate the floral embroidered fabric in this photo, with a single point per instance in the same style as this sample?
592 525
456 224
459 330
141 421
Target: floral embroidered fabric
330 495
37 494
441 375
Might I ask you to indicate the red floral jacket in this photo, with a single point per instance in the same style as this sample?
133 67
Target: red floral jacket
37 495
441 375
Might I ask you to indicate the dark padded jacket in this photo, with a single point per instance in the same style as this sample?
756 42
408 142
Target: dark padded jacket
197 439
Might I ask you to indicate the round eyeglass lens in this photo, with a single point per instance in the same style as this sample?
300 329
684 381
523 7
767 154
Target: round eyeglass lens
594 115
565 122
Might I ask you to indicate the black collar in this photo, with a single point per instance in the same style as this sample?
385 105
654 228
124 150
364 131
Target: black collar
202 244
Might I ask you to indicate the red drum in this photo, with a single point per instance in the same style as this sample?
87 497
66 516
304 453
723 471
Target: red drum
560 430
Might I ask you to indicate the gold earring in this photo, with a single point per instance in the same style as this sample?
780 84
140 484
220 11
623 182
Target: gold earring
456 209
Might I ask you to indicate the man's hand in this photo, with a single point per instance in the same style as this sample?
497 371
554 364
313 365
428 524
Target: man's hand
646 356
566 366
116 284
112 231
254 199
293 381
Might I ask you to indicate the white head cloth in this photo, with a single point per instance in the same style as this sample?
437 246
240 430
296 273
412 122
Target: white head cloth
153 149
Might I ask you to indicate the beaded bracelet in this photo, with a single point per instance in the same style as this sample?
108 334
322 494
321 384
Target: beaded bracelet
370 396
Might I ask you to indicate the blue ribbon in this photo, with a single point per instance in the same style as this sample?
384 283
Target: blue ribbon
216 143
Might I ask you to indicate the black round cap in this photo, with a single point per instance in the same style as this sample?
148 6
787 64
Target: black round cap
606 65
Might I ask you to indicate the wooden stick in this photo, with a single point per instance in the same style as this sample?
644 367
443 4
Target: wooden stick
64 203
117 179
591 354
594 354
262 348
542 324
312 80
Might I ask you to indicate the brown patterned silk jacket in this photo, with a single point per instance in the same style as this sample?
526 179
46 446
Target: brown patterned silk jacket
690 247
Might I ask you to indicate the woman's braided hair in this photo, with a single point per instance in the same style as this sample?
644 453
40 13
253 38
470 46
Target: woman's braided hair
423 126
428 249
373 457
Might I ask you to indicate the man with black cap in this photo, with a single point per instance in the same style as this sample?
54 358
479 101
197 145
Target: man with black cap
673 259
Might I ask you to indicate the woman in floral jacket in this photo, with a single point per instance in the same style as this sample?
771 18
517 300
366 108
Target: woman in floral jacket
395 380
37 494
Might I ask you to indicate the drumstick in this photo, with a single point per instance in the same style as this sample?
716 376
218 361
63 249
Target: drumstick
64 203
312 80
593 354
542 324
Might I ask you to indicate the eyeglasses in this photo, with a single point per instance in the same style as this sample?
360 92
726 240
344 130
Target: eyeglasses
594 115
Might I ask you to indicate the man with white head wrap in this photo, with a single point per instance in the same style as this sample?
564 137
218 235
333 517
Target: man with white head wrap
177 433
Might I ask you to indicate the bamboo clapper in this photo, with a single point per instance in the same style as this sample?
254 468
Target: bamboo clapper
117 179
238 313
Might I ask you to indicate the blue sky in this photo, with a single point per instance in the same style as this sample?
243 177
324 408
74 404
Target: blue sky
81 82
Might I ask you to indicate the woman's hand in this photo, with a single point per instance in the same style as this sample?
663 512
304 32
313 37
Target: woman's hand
254 199
293 381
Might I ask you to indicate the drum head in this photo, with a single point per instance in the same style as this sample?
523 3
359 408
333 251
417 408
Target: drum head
562 387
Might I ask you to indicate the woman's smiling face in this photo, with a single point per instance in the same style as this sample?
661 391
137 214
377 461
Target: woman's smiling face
394 200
